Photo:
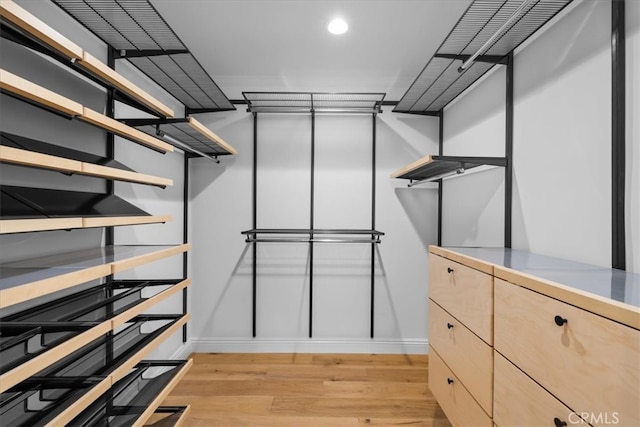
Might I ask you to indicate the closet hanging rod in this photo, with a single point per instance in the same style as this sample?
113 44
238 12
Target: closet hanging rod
499 32
310 240
456 172
311 231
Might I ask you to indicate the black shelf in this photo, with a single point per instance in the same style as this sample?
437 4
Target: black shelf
138 33
28 203
440 81
185 133
316 102
432 168
131 397
283 235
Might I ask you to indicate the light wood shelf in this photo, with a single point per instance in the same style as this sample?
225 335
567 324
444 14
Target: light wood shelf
8 226
28 158
57 43
118 128
151 408
116 80
15 14
196 125
29 279
177 418
48 357
23 88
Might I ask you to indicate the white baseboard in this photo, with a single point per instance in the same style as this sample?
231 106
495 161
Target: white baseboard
183 352
263 345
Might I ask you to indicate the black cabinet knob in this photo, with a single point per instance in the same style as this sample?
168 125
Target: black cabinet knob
449 326
449 270
560 320
449 381
559 423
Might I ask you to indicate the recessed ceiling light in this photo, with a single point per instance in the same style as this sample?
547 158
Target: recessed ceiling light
338 26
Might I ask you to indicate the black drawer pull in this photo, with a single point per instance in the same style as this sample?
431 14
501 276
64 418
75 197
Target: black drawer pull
449 381
449 326
560 320
559 423
449 270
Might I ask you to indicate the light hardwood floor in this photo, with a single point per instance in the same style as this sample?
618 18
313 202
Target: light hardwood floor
307 390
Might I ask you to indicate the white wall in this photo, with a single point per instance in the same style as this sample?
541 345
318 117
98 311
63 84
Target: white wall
222 263
562 134
22 119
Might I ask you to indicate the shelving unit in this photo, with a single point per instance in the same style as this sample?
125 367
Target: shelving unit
431 168
188 134
35 209
22 27
17 150
45 98
486 35
312 103
139 34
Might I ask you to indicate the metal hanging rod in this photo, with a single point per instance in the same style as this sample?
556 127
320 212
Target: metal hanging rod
252 235
310 240
456 172
486 45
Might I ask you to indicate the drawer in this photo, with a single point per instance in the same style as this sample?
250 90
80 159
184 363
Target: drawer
464 292
590 363
470 358
457 403
519 401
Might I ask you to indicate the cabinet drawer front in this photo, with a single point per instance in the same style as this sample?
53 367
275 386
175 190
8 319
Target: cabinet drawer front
465 293
590 363
519 401
456 402
470 358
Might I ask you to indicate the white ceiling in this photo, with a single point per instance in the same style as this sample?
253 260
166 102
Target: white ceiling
283 45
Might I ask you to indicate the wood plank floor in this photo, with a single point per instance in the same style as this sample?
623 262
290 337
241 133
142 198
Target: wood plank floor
307 390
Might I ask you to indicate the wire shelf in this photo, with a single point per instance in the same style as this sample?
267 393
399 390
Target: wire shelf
440 81
137 31
307 102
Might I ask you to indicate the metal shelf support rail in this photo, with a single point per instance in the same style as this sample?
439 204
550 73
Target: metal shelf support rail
312 102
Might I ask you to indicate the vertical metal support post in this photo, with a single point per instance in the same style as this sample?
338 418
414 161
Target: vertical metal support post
110 149
440 153
185 238
508 153
311 218
373 219
618 137
255 221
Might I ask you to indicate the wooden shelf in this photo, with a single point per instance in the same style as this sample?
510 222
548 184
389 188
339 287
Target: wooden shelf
52 101
32 278
31 153
169 416
11 226
118 128
37 94
51 39
431 168
86 335
38 29
187 134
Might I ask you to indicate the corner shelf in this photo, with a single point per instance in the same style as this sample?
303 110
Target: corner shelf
143 37
441 81
187 134
316 102
23 27
23 151
31 278
32 93
24 209
281 235
431 168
